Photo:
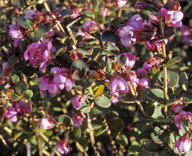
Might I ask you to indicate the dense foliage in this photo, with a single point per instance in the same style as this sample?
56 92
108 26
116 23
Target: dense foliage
93 77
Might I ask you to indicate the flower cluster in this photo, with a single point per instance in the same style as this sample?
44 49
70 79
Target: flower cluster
18 108
135 31
60 80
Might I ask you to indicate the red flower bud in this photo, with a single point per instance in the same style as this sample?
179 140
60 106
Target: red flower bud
140 5
172 5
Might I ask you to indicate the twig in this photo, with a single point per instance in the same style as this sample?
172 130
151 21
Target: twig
137 101
120 12
100 51
28 147
91 133
108 131
165 85
35 130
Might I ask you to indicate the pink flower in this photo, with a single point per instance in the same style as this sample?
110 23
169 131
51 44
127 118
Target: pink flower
31 14
21 107
172 18
187 35
90 26
177 107
144 83
126 35
130 62
183 145
182 116
63 146
62 78
18 108
105 12
115 98
16 34
86 36
145 69
154 20
11 114
78 118
154 47
121 3
75 55
47 123
39 54
76 10
6 68
118 85
47 83
78 100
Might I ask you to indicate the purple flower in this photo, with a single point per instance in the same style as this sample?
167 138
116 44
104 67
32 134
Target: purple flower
177 107
86 36
118 85
130 62
78 100
21 107
144 83
63 146
90 26
126 35
156 46
39 54
172 18
6 68
154 20
78 118
16 34
187 35
105 12
183 145
31 14
115 98
11 114
47 123
47 83
182 116
62 78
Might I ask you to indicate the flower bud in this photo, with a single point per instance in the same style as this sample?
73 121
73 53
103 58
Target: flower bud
63 146
140 5
78 100
183 145
173 5
17 12
78 118
47 123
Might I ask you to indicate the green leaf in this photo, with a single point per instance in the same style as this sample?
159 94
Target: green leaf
12 60
25 22
97 110
95 4
185 126
187 97
115 23
15 78
116 125
43 29
127 99
66 12
99 131
85 51
88 12
79 64
20 86
18 67
183 79
172 78
28 94
16 97
66 120
112 49
108 36
121 59
156 94
17 135
172 61
103 101
75 133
